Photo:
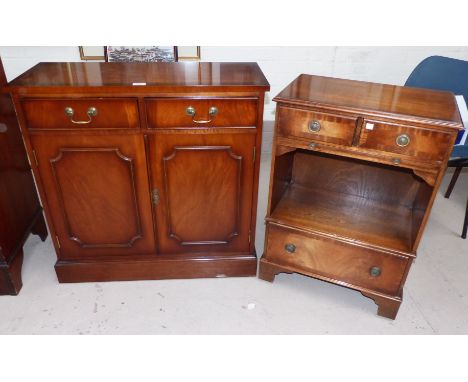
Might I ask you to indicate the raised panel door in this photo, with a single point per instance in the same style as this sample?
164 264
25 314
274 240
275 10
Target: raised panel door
97 191
203 191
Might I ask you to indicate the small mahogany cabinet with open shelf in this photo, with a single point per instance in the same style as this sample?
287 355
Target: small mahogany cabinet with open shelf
146 170
355 170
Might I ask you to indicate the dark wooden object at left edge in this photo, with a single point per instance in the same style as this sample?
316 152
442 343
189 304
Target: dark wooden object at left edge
20 210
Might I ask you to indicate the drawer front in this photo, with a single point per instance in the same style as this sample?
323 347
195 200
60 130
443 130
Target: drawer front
335 260
201 112
410 141
316 126
92 113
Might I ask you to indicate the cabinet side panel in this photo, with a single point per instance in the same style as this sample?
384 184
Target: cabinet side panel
19 203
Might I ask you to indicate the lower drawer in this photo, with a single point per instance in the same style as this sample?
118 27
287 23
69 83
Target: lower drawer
341 262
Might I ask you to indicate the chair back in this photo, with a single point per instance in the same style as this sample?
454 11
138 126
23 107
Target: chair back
442 73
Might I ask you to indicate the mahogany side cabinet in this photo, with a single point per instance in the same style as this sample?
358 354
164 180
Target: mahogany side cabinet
20 210
146 170
355 170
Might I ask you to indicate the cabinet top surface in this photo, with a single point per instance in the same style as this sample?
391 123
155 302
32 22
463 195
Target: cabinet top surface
134 74
388 100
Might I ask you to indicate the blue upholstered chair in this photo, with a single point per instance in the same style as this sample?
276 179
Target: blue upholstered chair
443 73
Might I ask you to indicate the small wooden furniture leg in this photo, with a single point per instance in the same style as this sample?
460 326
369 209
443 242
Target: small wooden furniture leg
465 224
453 181
267 271
387 307
11 264
10 275
39 228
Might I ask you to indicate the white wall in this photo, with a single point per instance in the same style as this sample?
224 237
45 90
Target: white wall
18 59
390 65
281 65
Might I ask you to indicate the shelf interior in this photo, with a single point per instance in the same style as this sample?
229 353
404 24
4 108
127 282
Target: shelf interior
366 202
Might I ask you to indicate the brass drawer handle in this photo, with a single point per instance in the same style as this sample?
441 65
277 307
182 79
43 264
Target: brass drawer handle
403 140
396 161
291 248
375 271
212 111
92 112
314 126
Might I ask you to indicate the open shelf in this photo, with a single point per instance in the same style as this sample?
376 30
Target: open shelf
347 216
365 202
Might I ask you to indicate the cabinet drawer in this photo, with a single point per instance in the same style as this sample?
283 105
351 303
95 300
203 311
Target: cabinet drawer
424 144
317 126
93 113
345 263
201 112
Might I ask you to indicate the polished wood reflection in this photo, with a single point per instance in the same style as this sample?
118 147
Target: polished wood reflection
142 75
20 210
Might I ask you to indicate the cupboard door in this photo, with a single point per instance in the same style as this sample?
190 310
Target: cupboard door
97 192
203 186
